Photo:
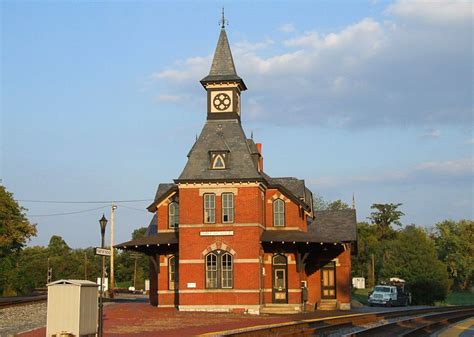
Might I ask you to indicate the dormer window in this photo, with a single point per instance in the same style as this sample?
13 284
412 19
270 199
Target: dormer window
219 160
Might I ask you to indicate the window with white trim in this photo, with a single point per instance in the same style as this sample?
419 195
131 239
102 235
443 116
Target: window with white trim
172 275
278 213
209 208
227 207
173 215
219 270
211 271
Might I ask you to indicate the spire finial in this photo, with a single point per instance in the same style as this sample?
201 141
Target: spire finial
251 135
353 201
223 21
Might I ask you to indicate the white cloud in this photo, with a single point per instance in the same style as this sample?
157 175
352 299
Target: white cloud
432 133
243 47
168 98
470 141
433 12
451 167
287 28
429 172
369 73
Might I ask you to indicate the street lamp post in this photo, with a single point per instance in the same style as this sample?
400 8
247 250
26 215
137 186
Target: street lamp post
103 224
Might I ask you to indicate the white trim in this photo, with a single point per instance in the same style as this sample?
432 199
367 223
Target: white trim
218 191
165 292
230 225
166 199
199 261
214 185
216 233
224 290
269 290
166 306
284 228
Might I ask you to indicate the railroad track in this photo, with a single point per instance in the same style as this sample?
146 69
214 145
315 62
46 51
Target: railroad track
14 301
423 325
340 326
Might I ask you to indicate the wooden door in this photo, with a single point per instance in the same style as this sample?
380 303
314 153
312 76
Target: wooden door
280 279
328 281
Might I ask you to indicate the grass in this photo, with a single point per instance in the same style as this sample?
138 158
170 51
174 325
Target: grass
458 298
360 295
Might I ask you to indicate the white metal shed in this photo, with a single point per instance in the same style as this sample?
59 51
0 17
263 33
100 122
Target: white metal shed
72 308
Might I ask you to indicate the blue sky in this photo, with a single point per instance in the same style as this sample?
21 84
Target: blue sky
102 101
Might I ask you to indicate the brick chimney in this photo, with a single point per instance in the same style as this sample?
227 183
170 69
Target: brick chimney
260 162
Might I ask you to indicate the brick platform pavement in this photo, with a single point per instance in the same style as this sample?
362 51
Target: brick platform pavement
141 319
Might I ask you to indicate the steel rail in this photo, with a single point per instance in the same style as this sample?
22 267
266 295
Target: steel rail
5 303
325 326
415 326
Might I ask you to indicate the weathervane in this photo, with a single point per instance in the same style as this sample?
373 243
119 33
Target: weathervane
223 21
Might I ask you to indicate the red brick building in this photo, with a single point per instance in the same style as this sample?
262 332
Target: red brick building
226 236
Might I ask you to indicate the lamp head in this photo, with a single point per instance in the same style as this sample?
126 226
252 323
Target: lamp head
103 224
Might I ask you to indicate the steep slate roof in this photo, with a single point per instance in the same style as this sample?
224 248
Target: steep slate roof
162 192
223 68
327 226
153 226
225 135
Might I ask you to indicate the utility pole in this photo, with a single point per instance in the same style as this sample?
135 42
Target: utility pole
85 266
112 222
373 270
135 274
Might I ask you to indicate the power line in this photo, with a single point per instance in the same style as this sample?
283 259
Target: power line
82 202
133 208
68 213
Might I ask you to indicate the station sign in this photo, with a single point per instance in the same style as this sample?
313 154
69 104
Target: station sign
102 251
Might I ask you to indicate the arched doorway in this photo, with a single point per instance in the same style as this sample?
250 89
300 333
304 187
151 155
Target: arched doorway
280 279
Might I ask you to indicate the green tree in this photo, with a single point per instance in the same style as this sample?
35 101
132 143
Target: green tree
384 216
126 260
455 247
319 204
368 246
15 231
412 257
337 205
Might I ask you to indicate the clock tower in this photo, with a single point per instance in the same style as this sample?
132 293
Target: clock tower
223 85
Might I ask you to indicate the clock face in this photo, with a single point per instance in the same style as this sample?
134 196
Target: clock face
221 101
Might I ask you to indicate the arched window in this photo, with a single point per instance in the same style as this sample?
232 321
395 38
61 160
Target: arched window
219 270
172 275
173 215
211 270
278 213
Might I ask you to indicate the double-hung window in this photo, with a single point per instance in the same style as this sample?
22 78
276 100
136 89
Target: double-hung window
173 215
209 208
227 207
278 213
172 275
219 270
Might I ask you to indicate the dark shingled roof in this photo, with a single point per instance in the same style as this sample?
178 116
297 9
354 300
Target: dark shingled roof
294 186
327 226
162 192
159 239
223 68
224 135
